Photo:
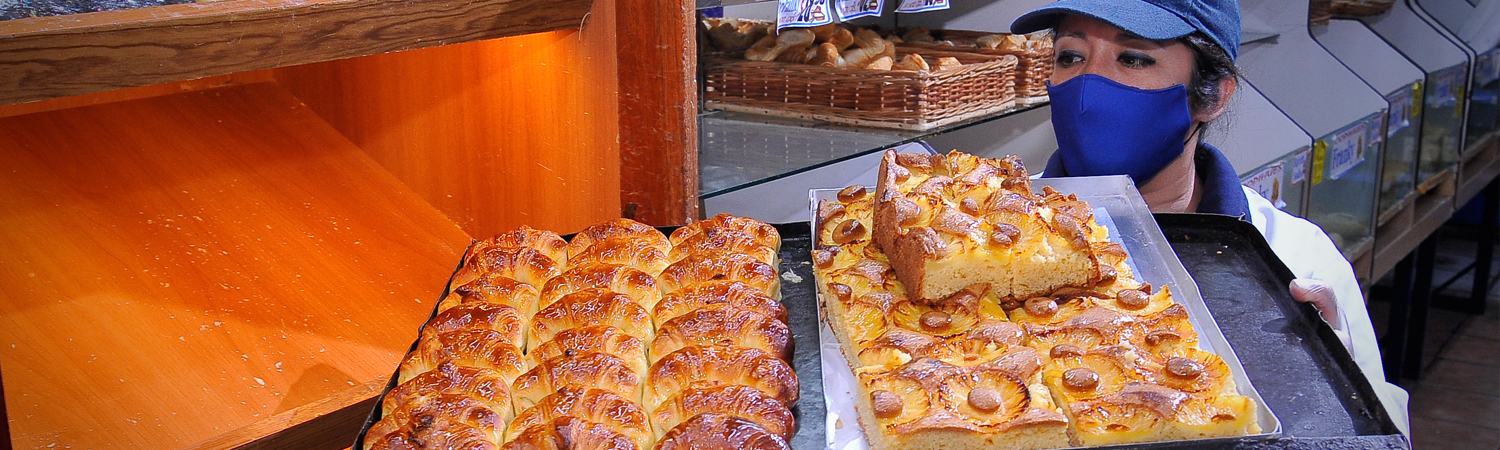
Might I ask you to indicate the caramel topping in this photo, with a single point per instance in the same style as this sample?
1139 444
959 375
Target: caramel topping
1069 228
1041 307
939 163
1065 351
1107 274
1081 379
914 161
1184 367
840 290
984 399
887 404
935 320
901 174
1111 248
969 206
852 193
955 222
849 231
907 211
1010 305
932 186
1005 235
1132 299
823 258
1008 201
1146 287
1159 336
1015 183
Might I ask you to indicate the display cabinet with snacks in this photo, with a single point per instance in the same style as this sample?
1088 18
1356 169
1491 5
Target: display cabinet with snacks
1272 154
1337 109
223 217
1462 24
1378 64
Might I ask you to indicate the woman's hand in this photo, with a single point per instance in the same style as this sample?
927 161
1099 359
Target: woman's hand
1320 294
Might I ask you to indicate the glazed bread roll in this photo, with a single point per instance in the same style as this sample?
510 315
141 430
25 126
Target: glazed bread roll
735 293
526 265
627 280
444 421
570 433
474 348
703 366
590 307
714 431
594 405
701 268
771 47
494 288
762 232
594 338
503 319
647 255
579 370
488 386
742 401
724 241
547 243
624 228
722 324
481 316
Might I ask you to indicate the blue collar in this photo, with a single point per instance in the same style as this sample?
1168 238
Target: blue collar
1221 184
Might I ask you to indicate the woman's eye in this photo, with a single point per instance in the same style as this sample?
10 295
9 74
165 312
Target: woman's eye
1067 58
1135 60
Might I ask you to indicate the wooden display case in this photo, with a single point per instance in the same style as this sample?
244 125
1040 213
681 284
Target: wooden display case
224 222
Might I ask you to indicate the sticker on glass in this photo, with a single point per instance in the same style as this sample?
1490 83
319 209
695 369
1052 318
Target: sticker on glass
854 9
802 13
911 6
1267 182
1400 114
1345 150
1299 166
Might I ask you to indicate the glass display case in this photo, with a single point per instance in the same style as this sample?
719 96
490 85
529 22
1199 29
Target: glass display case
1453 17
1344 167
1444 66
1388 72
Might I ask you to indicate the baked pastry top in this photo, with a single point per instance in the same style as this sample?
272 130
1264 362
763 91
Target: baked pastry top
976 312
547 343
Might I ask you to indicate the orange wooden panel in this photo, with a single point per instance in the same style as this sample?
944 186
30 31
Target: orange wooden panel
119 95
659 110
496 134
177 267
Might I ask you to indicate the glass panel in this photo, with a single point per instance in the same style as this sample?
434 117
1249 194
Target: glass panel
1482 99
1342 199
1441 120
1398 176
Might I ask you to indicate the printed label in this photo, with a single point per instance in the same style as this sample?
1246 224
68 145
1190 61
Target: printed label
802 13
1299 166
1442 92
854 9
1268 183
1345 150
1373 137
911 6
1320 151
1398 117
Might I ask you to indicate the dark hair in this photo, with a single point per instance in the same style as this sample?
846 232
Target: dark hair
1213 65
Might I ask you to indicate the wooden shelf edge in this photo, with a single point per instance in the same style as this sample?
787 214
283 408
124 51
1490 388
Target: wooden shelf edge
330 423
50 57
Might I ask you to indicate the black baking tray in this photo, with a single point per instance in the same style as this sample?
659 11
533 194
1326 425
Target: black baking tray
1291 355
798 294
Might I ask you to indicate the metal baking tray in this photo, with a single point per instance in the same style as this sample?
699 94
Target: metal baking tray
798 294
1305 375
1120 208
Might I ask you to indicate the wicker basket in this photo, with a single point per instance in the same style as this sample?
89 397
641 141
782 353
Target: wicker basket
1360 8
1319 12
903 99
1033 67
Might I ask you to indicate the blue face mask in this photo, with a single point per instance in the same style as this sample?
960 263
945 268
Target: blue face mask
1107 128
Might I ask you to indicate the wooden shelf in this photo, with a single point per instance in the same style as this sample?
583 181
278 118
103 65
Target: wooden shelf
50 57
180 267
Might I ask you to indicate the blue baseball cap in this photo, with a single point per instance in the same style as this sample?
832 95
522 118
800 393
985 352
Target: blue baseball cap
1150 19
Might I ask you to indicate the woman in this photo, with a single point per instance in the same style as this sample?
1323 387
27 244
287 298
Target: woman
1134 84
